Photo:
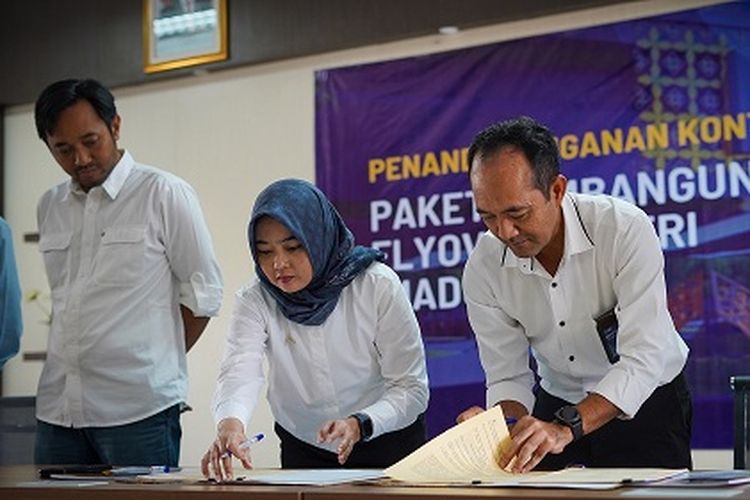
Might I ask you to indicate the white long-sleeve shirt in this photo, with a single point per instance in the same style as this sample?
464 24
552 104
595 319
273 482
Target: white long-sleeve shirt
611 258
120 260
366 357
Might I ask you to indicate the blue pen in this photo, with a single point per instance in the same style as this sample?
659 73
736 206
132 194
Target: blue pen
245 444
510 420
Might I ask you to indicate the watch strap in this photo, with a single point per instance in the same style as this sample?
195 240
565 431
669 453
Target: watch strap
570 418
365 425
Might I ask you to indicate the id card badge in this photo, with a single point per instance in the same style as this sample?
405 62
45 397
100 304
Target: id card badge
606 327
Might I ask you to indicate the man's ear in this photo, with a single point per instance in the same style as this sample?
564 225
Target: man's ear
558 188
114 128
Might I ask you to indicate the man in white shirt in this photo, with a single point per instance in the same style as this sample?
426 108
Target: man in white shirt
134 280
577 280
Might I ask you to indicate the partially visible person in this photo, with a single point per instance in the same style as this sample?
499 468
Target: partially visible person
11 325
579 280
347 378
134 280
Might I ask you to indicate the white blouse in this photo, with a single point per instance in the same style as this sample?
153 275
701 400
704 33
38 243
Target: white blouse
366 357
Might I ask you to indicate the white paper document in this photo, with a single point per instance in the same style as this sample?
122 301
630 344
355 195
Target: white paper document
464 453
600 478
306 477
467 454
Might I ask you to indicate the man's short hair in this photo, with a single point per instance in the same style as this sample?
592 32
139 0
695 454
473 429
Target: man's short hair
64 93
534 139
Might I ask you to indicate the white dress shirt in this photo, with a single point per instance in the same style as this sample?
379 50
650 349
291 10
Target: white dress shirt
120 260
366 357
611 258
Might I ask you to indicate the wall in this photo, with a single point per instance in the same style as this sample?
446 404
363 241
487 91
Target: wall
91 37
229 134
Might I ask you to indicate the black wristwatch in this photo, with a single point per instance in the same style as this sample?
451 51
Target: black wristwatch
569 417
365 425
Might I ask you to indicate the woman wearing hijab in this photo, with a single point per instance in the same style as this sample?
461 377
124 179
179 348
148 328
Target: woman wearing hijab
347 382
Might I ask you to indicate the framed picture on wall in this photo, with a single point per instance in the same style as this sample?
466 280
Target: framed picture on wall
181 33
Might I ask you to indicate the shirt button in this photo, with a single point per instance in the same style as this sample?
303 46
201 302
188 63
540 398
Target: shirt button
562 323
554 284
571 358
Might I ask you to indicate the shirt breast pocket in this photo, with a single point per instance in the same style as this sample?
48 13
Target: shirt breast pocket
120 258
55 249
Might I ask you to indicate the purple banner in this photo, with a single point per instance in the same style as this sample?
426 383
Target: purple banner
655 111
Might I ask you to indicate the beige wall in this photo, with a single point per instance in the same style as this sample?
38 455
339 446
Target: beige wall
229 134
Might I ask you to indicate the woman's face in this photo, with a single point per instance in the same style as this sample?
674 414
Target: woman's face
281 257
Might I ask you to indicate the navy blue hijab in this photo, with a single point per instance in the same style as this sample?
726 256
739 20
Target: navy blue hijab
314 221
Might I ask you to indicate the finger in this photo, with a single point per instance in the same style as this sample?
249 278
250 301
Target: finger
226 463
509 452
217 473
523 456
530 453
204 464
344 450
523 444
247 463
335 431
218 463
325 431
544 448
244 457
534 460
211 461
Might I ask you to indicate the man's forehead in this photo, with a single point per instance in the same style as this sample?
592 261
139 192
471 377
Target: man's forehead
512 150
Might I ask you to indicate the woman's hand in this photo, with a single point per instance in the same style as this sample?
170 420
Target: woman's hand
217 461
347 430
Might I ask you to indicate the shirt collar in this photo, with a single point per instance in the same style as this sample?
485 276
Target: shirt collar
577 239
114 182
577 235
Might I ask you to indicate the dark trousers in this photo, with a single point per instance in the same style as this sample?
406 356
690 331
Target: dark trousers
377 453
155 440
657 436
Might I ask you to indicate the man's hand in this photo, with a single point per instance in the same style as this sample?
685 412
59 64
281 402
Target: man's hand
217 461
531 440
468 413
347 430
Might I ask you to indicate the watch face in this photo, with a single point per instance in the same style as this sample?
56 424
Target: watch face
569 412
569 416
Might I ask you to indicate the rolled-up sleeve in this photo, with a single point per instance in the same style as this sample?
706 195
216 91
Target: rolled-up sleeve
190 252
647 341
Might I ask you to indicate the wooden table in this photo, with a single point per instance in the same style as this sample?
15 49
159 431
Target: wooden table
12 477
346 492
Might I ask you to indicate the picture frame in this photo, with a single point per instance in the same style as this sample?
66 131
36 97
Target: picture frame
183 33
